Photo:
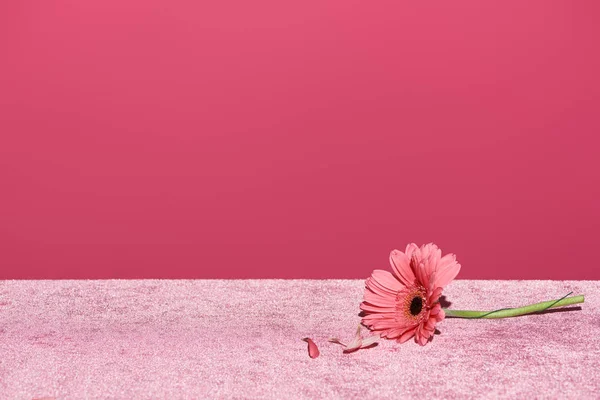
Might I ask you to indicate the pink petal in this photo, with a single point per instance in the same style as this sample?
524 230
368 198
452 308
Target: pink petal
418 269
401 267
446 261
435 309
377 300
430 325
418 334
426 333
409 333
376 287
435 296
393 333
388 324
371 340
354 345
447 270
313 350
427 251
386 280
436 255
421 335
440 316
410 248
358 342
430 256
337 341
381 324
376 309
380 316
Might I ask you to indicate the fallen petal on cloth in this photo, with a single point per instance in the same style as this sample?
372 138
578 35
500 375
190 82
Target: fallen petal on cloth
313 350
358 342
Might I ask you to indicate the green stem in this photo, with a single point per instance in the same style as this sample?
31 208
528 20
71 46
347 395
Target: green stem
514 312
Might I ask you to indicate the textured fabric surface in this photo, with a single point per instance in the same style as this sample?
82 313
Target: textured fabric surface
242 339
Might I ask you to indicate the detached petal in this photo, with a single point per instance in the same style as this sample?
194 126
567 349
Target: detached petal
369 341
313 350
358 342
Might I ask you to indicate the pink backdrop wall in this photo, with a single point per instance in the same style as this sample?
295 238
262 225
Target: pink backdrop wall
297 138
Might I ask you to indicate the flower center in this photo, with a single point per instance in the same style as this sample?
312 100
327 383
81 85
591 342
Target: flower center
416 305
411 304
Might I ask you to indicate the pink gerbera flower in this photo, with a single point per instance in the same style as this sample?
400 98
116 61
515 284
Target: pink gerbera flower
405 303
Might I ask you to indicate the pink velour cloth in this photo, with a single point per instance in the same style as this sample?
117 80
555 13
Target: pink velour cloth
180 339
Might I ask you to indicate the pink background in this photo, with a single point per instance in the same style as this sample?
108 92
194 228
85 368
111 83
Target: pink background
297 139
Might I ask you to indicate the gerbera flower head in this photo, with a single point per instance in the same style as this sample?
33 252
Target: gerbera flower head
405 303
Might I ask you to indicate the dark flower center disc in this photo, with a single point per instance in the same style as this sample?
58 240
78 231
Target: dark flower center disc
416 305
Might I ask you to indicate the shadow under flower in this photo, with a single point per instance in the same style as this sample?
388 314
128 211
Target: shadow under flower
444 302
